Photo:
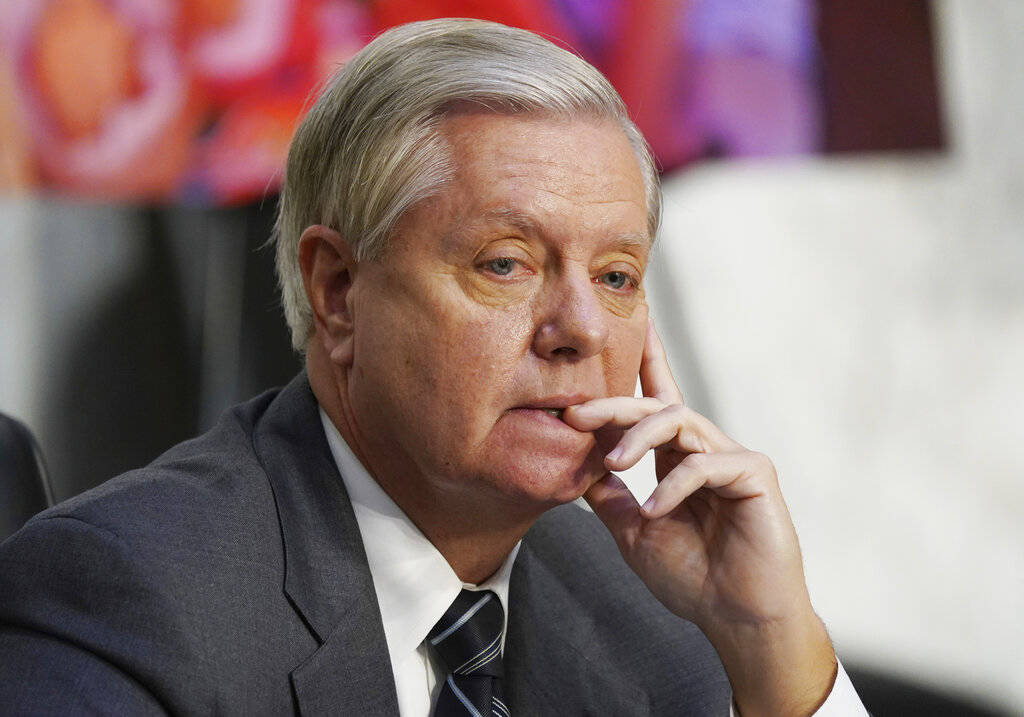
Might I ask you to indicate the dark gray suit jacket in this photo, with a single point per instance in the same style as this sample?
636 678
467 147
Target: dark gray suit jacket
228 577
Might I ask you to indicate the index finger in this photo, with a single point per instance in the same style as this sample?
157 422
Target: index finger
655 375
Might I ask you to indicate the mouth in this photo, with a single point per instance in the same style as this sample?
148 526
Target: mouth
554 405
538 425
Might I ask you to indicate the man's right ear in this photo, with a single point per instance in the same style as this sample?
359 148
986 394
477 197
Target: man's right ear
328 268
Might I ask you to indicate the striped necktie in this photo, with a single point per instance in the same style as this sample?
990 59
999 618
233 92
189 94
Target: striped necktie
467 642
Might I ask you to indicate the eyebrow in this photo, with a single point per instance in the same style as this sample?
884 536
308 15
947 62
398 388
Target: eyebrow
528 225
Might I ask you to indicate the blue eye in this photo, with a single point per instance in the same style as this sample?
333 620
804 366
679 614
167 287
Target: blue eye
502 266
615 279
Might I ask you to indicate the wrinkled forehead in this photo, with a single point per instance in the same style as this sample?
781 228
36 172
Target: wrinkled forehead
463 130
542 177
571 183
567 163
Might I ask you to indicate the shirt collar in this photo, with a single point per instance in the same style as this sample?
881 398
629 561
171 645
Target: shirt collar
414 583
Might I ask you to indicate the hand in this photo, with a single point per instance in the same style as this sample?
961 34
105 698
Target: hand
714 543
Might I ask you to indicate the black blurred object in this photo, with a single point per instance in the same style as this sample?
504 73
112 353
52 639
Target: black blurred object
123 390
189 327
265 342
886 695
24 484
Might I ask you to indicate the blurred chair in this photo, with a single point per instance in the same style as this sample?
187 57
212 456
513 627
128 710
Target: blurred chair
24 485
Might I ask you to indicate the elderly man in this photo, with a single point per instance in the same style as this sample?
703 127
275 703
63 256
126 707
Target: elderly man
463 232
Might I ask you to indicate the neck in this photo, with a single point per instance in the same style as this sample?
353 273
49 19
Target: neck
475 535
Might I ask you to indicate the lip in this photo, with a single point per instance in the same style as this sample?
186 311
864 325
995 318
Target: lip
537 422
559 402
546 418
550 407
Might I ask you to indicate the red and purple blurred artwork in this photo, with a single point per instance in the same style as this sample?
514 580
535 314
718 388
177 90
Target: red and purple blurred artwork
194 100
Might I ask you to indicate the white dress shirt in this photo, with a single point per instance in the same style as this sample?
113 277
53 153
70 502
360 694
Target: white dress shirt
415 585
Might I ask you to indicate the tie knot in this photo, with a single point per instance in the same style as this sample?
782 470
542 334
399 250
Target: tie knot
467 638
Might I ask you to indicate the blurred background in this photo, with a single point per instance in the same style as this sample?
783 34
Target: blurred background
838 277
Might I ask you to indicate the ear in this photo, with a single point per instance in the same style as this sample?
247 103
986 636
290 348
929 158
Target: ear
328 268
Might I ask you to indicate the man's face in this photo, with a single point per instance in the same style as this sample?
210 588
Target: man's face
514 293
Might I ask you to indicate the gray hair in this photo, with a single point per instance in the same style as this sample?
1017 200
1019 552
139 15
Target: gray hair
370 148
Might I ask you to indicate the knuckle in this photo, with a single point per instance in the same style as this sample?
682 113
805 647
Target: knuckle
696 461
676 411
764 463
653 407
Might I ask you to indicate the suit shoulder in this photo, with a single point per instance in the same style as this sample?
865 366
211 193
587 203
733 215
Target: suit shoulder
157 570
202 514
200 506
211 482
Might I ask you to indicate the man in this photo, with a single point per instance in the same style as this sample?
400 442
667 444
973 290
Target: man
465 222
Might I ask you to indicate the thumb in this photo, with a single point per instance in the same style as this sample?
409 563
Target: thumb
615 505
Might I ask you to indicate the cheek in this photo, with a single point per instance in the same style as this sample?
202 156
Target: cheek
626 347
469 356
485 351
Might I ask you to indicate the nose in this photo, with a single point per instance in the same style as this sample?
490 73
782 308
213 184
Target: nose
572 322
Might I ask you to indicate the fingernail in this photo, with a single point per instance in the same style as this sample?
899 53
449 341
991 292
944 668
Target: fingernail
649 505
615 454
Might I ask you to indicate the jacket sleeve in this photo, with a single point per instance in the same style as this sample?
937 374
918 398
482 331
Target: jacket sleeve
44 675
70 604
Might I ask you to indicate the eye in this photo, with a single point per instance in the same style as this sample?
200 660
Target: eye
616 279
502 266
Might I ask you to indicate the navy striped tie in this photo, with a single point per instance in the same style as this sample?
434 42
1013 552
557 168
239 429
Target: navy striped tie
467 642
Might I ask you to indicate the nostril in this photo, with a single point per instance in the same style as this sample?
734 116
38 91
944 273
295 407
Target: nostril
574 330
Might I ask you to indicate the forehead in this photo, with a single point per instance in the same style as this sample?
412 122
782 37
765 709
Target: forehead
578 176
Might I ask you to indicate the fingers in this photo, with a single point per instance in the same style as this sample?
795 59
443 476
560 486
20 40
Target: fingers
620 411
655 374
650 424
676 427
733 475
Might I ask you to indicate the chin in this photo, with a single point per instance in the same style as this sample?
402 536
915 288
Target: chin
546 483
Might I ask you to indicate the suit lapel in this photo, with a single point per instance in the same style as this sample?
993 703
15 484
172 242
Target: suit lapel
553 661
327 578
